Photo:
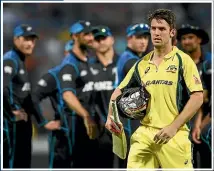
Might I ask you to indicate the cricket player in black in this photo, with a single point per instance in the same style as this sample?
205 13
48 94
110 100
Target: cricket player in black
192 38
104 71
76 94
17 89
60 142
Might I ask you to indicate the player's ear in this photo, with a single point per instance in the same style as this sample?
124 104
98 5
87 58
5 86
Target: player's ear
129 38
74 37
172 32
112 38
15 40
199 40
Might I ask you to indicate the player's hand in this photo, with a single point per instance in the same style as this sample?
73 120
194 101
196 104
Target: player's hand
165 134
20 115
113 127
53 125
91 127
196 132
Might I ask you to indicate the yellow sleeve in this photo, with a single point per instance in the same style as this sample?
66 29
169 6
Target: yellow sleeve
191 75
127 78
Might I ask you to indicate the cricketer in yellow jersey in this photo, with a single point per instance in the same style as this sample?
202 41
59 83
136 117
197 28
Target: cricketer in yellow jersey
172 79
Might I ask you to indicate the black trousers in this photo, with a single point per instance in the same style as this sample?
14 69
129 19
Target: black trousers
60 150
105 155
23 146
8 143
6 150
85 151
202 156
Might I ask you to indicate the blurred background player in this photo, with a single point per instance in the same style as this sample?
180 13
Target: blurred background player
104 76
138 36
60 142
73 77
205 123
17 89
192 40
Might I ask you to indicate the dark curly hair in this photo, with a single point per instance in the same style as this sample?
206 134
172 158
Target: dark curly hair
164 14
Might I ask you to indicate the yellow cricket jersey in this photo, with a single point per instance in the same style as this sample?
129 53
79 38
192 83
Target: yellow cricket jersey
169 84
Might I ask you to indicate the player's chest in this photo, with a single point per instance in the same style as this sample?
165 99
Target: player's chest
165 74
103 73
22 78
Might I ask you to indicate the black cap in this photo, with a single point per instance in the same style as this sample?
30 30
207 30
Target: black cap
101 31
24 30
187 29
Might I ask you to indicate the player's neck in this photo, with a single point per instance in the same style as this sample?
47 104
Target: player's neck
81 54
107 57
196 55
162 51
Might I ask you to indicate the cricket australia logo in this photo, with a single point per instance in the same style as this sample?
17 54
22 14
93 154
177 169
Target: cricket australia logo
172 68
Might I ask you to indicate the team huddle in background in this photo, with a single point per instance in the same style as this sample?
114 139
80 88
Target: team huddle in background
177 123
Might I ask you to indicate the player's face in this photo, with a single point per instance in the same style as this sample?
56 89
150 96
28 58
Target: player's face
140 43
102 43
86 39
25 44
161 34
190 42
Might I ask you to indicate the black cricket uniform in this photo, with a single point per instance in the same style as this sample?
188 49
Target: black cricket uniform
103 85
60 147
17 89
73 76
206 133
201 151
8 123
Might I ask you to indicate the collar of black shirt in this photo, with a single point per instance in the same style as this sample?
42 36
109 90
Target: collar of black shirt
19 53
135 53
115 59
202 57
76 56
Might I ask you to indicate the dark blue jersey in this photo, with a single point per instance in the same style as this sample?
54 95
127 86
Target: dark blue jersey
74 76
126 61
16 84
103 82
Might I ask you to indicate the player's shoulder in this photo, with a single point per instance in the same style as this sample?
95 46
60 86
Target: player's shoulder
54 70
126 55
70 60
11 58
186 59
69 63
145 59
10 55
208 56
